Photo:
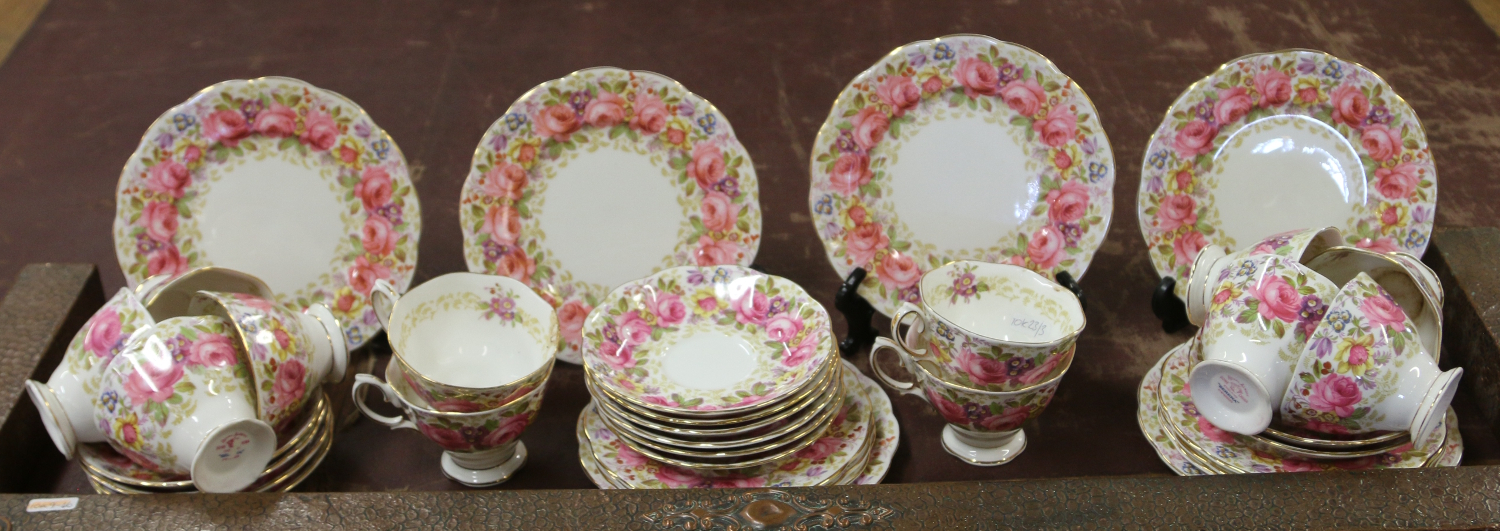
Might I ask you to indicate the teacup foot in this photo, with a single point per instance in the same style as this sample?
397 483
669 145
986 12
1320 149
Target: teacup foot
994 456
484 477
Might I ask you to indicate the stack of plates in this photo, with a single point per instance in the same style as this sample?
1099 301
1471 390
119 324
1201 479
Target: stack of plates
777 423
855 447
302 445
1193 446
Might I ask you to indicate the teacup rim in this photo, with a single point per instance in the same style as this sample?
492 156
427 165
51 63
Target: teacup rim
549 349
1072 334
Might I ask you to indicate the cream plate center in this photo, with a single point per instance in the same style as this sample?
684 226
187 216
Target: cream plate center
274 219
610 216
709 360
961 183
1285 173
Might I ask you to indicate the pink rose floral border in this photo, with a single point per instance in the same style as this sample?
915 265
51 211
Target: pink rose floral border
230 119
859 228
1391 144
712 170
793 329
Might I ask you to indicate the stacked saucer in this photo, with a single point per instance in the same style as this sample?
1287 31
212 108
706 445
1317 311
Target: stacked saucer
721 372
301 446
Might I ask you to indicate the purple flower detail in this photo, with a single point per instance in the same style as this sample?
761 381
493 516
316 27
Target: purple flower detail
1378 115
1306 66
728 186
916 58
778 305
696 277
685 109
845 142
910 295
1015 367
494 250
251 108
1010 72
164 140
391 212
362 129
1322 345
579 100
1071 233
1421 214
1190 408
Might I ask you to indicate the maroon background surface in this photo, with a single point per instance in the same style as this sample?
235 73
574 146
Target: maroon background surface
91 76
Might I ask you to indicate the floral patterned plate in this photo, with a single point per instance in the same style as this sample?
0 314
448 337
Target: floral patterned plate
102 460
603 177
1314 139
707 341
612 465
961 147
277 178
1229 453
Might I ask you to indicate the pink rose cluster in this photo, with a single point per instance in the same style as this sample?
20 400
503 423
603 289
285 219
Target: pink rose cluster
981 417
780 325
476 438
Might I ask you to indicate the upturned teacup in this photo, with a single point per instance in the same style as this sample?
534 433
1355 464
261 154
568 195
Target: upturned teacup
67 401
289 353
469 342
480 449
984 427
994 327
178 400
1365 369
1263 309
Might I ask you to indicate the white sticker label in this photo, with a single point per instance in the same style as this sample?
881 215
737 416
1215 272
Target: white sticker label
41 505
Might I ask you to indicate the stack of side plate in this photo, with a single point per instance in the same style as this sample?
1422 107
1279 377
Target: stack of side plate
855 447
1191 445
303 443
737 439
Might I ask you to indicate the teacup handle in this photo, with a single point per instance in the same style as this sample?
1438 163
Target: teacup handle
383 297
905 388
906 309
390 397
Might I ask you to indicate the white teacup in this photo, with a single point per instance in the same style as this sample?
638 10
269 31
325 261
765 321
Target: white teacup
1262 311
480 449
994 327
1366 370
178 400
469 342
68 399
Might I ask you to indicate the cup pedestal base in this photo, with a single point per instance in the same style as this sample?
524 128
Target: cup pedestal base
486 468
987 449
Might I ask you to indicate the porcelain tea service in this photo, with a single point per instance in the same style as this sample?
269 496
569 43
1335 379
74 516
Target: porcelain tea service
468 342
995 327
1315 346
1339 354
